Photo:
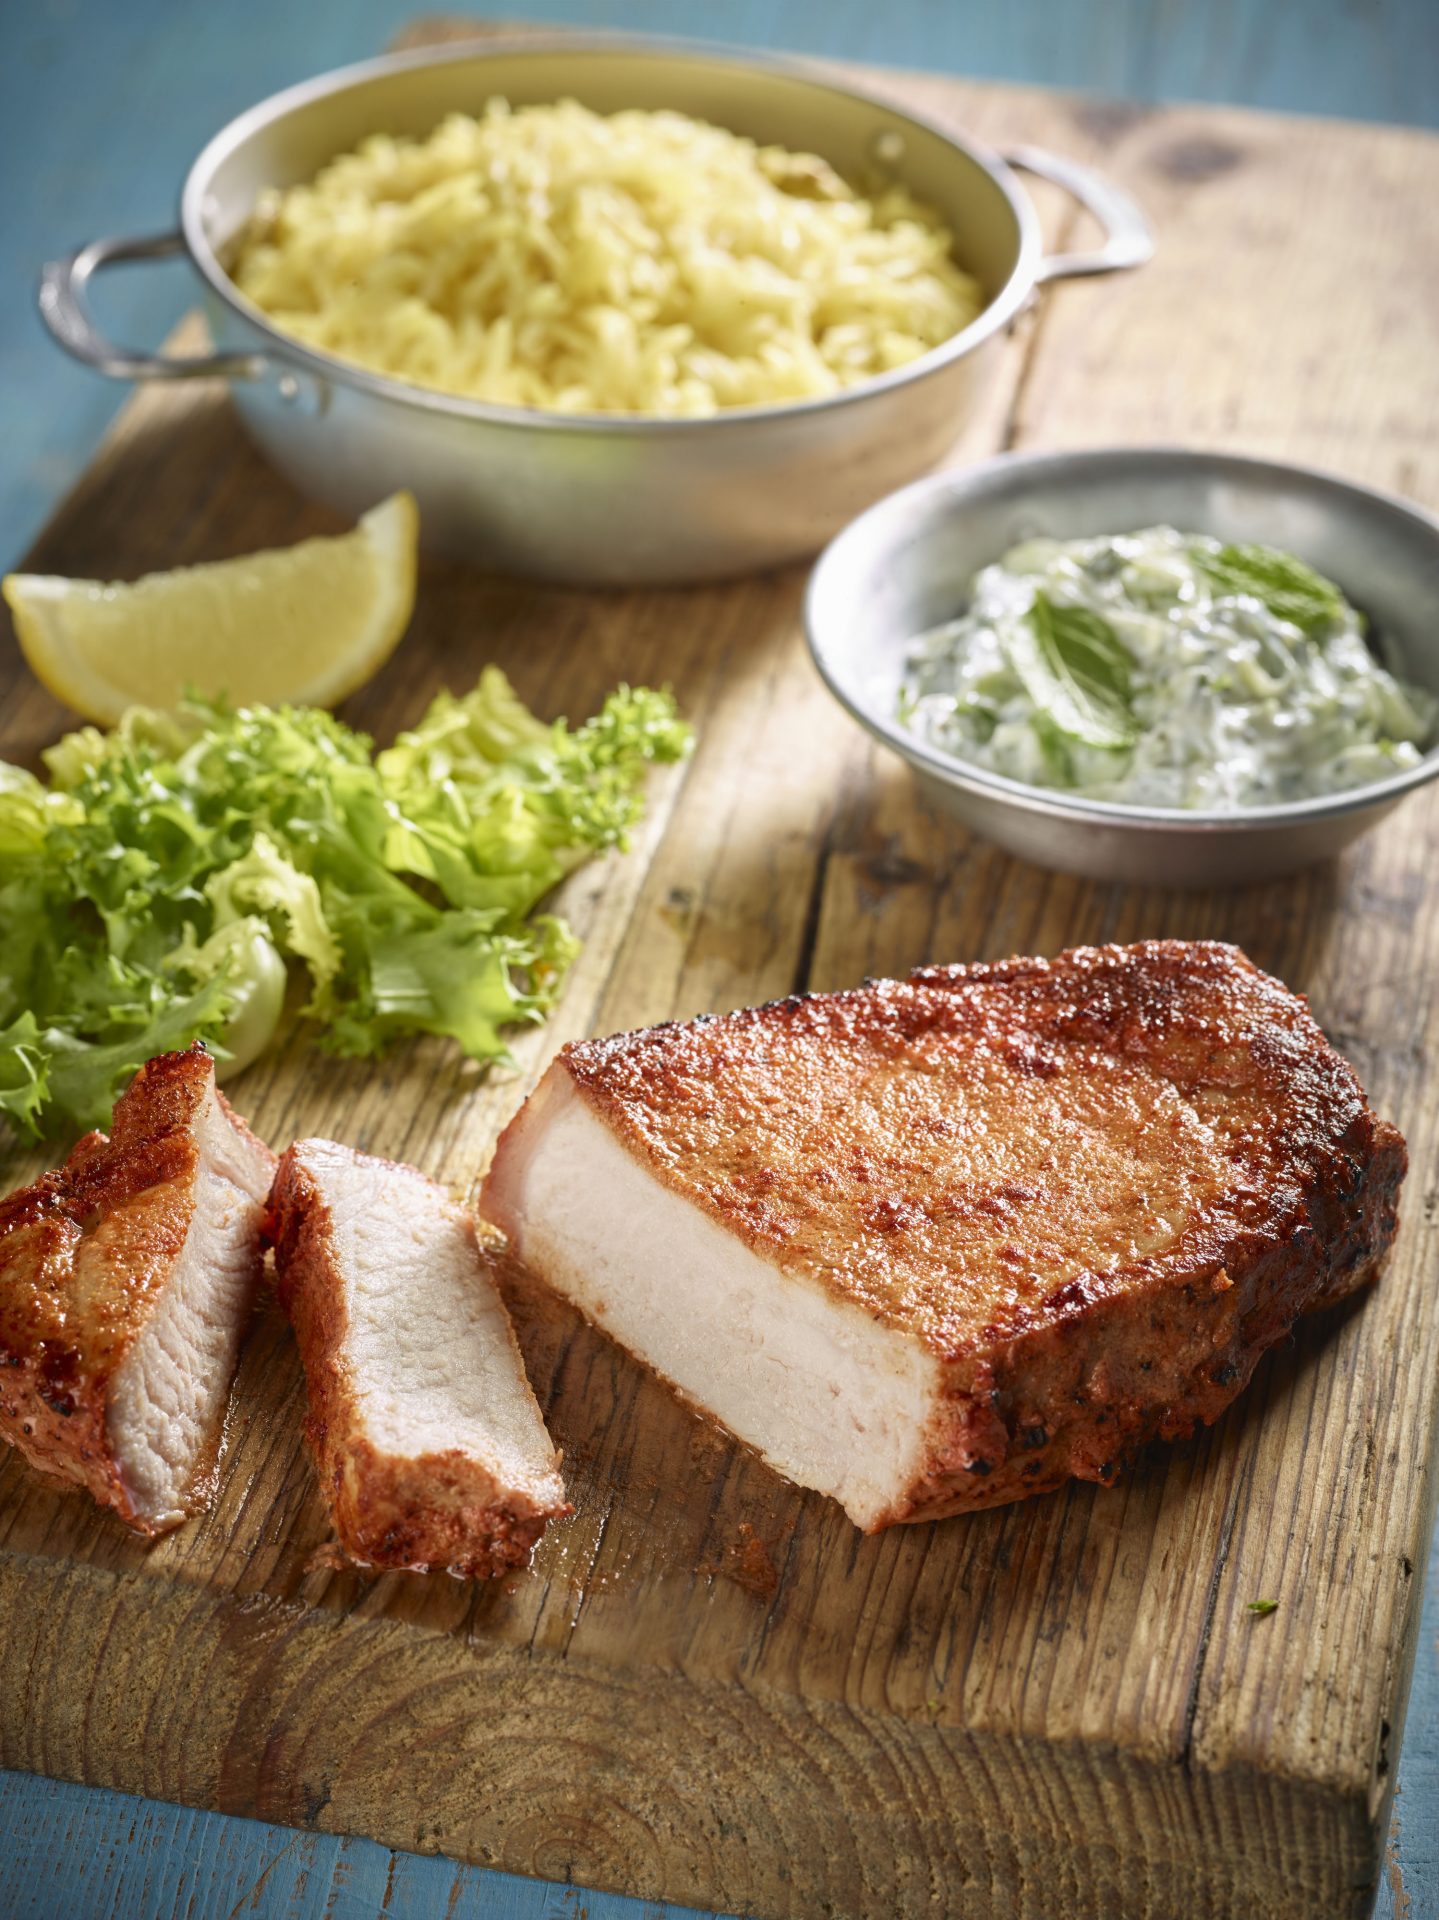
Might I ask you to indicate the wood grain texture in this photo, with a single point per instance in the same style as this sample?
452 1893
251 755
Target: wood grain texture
709 1688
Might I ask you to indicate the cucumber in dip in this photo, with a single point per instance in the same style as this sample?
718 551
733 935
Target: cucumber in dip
1164 669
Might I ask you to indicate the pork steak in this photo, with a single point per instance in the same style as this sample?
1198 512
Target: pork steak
941 1243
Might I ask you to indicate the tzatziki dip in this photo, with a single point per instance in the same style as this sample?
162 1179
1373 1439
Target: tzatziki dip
1164 669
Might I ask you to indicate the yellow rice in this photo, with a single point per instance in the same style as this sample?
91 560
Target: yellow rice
633 263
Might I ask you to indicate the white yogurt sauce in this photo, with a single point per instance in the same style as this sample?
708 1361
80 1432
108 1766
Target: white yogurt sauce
1164 669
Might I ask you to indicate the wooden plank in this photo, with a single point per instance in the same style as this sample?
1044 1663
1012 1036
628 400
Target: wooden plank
1057 1709
1312 359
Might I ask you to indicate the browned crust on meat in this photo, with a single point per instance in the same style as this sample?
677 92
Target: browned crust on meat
1099 1079
778 1122
131 1197
1080 1398
415 1514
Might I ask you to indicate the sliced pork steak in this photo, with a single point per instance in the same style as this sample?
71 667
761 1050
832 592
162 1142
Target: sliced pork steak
126 1280
940 1243
430 1446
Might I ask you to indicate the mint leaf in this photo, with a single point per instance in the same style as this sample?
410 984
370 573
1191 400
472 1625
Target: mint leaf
1291 590
1076 672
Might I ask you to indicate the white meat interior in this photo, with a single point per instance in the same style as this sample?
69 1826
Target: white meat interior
830 1397
168 1396
432 1358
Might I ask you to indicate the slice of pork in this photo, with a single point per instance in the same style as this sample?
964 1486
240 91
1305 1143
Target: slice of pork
127 1278
430 1446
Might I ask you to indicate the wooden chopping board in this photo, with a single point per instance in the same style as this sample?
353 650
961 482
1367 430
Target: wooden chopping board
709 1688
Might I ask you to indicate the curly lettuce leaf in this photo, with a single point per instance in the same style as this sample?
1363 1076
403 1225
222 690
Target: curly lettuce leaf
24 1081
264 881
500 807
457 977
243 954
79 1077
149 891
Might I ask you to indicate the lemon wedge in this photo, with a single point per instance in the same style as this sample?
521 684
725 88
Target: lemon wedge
306 624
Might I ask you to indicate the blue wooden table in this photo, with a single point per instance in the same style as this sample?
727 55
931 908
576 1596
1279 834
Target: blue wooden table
101 109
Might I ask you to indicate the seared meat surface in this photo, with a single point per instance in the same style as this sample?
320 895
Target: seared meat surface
431 1449
940 1243
126 1280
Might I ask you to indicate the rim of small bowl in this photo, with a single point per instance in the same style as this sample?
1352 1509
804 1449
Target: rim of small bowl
967 482
992 318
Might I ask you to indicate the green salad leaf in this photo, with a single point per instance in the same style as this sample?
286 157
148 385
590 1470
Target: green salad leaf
1076 672
1291 590
177 872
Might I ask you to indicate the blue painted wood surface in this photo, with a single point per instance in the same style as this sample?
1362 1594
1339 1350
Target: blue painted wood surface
102 107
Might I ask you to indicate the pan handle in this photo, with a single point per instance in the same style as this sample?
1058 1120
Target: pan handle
66 312
1128 241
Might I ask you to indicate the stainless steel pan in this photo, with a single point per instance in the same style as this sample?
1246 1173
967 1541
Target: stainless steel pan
596 498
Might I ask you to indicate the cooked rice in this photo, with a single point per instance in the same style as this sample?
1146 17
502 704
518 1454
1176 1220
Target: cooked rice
632 263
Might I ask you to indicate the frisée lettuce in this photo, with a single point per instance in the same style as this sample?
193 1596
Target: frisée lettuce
174 875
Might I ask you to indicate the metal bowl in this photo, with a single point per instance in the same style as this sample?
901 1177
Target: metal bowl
906 566
601 498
